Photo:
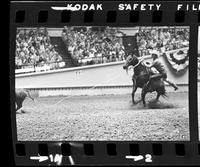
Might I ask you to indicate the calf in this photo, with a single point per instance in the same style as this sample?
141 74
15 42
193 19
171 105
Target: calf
20 96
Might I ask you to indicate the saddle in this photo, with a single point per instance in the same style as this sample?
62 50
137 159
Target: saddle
152 70
154 74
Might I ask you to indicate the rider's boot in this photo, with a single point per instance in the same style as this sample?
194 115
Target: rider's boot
175 87
172 84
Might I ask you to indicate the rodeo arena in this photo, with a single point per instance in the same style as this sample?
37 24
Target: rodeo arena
79 84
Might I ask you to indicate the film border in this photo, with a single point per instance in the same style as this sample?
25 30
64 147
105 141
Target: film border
169 17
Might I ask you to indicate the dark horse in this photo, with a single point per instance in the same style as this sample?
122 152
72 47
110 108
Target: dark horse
140 78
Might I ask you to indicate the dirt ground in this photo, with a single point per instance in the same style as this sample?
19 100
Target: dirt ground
108 117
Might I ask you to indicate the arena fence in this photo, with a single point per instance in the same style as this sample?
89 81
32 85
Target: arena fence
94 91
108 78
31 68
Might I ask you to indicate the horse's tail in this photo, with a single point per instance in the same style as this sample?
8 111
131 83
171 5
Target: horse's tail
163 93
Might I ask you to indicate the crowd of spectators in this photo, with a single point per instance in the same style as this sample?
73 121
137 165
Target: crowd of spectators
33 48
93 45
161 39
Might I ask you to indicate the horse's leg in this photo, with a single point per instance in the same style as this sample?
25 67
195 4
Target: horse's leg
19 105
157 97
133 94
143 95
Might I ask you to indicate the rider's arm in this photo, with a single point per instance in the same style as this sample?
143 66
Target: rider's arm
141 59
153 64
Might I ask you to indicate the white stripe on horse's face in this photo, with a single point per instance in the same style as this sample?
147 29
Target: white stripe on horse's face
129 60
130 71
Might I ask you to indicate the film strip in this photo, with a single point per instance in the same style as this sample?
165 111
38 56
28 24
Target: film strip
72 102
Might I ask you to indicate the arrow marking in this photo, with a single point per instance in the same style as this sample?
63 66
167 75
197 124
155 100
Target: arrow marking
136 158
64 8
40 158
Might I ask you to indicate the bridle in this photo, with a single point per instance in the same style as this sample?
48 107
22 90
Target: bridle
131 59
139 61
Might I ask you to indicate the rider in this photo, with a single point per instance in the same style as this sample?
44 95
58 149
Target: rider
157 64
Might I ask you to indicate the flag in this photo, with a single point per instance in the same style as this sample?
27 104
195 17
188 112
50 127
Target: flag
179 60
130 45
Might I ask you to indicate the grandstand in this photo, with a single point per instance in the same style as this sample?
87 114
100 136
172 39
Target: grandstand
43 49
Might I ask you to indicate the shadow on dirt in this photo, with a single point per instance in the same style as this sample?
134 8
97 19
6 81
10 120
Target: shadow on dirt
160 105
153 105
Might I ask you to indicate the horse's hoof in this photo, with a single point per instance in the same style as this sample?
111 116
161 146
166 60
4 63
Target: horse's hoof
176 88
22 111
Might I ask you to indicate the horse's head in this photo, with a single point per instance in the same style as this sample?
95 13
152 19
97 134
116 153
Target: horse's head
130 60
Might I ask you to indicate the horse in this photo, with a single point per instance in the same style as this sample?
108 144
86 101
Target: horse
140 78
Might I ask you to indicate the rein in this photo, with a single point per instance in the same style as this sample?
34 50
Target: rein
134 67
135 76
137 64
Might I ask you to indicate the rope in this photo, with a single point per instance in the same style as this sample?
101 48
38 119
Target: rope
93 87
